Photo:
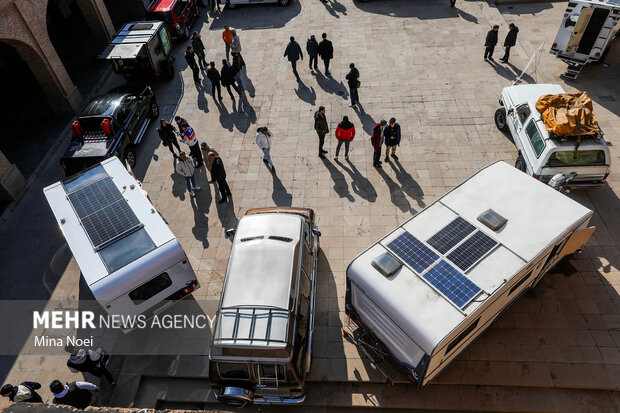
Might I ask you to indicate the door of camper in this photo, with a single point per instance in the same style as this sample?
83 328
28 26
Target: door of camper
587 29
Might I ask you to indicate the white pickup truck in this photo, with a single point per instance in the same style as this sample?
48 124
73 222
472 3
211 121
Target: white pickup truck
542 154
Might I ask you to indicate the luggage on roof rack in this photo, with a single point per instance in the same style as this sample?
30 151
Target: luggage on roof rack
568 114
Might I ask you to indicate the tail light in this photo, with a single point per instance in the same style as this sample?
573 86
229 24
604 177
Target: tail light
537 177
64 166
157 74
597 55
388 382
554 45
606 175
345 334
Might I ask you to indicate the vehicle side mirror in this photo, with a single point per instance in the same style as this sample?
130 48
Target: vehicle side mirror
231 232
511 111
316 232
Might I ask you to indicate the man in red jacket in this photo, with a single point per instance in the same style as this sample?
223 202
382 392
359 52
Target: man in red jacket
345 132
377 140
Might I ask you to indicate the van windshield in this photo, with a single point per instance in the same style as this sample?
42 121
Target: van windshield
565 158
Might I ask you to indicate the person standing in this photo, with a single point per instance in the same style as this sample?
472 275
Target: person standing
93 362
76 394
227 36
168 136
214 77
228 78
452 3
345 132
354 83
391 135
219 174
263 139
377 140
199 49
321 128
510 41
205 149
312 47
190 139
185 168
24 392
490 42
190 58
237 65
235 46
182 124
293 51
326 51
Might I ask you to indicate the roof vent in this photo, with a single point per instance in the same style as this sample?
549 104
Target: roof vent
492 219
386 264
142 26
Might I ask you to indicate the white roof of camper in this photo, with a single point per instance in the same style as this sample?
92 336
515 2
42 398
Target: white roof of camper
104 283
537 215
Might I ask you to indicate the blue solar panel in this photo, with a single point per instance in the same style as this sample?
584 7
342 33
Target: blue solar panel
452 284
412 252
451 234
471 250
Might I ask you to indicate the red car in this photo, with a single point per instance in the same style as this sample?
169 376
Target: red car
178 15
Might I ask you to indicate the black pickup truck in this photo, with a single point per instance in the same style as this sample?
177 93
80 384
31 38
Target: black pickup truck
111 125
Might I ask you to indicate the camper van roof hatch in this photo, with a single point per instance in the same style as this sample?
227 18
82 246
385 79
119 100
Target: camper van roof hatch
492 219
386 264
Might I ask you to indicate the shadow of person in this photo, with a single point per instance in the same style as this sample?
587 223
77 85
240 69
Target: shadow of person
201 99
397 196
280 195
246 115
226 119
340 184
367 120
525 77
502 70
201 222
247 83
331 85
334 8
408 184
466 16
179 189
305 93
226 213
360 184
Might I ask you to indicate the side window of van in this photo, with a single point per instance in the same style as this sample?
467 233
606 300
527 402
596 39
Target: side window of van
535 139
150 288
462 336
234 370
520 283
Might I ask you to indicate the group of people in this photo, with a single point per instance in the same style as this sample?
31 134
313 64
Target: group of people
491 41
324 50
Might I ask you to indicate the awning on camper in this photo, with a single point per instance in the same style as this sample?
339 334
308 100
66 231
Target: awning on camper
568 114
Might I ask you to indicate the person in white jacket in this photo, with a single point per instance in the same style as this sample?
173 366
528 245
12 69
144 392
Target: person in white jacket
263 139
185 168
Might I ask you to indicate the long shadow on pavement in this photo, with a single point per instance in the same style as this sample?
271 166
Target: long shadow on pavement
280 195
368 122
331 85
360 184
408 184
305 93
340 184
397 195
256 18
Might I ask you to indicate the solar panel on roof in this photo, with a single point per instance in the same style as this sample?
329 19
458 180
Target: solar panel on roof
472 250
412 252
452 284
103 212
451 234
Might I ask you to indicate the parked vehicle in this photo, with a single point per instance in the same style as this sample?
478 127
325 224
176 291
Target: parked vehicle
586 32
129 258
262 342
141 49
178 15
543 154
111 125
429 288
231 4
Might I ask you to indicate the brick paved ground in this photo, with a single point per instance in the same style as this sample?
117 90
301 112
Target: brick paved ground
420 62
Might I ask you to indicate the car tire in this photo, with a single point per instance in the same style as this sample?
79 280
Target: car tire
130 156
520 163
236 397
153 109
500 119
283 2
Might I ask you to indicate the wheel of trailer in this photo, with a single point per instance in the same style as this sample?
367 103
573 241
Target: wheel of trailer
283 2
236 397
130 156
153 109
520 163
170 69
500 119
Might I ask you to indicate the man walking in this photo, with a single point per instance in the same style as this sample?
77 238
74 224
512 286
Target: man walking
354 83
312 47
76 394
227 36
189 138
24 392
185 168
510 41
237 65
214 77
168 136
293 51
199 49
391 134
345 132
219 174
228 78
93 362
263 139
235 46
490 42
205 149
377 140
326 51
321 128
190 58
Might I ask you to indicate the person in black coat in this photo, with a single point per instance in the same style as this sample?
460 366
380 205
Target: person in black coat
227 77
326 51
190 58
293 51
24 392
219 174
77 393
510 41
312 47
214 76
321 128
199 49
490 42
391 134
168 136
353 81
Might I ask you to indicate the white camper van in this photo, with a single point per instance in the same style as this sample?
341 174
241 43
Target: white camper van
585 34
131 261
425 291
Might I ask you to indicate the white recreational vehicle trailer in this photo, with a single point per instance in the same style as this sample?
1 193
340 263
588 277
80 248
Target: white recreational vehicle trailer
585 34
131 261
425 291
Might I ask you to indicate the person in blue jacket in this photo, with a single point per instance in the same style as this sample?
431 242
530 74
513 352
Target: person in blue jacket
312 47
293 52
